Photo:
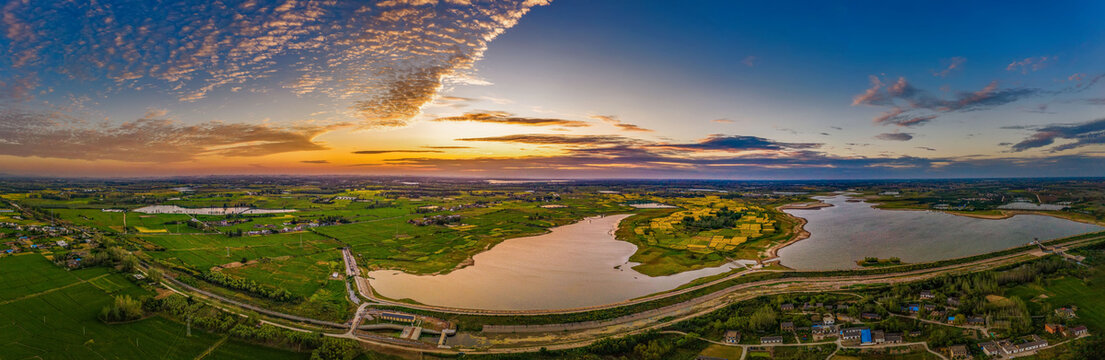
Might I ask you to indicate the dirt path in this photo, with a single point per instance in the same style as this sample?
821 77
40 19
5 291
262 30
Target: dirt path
212 348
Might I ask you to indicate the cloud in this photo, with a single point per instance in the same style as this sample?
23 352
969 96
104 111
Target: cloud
446 147
750 61
148 139
1082 134
499 117
926 148
897 116
382 61
556 139
1031 64
315 161
723 121
613 120
895 136
953 64
910 106
739 143
373 152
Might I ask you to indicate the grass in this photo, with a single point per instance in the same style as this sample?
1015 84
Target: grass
62 324
721 351
1089 297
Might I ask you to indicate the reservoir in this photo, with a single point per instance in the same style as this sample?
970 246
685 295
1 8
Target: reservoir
849 231
576 265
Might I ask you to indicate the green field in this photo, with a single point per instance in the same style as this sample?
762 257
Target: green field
50 313
1067 291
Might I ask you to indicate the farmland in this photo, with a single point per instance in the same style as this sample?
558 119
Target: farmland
701 232
52 315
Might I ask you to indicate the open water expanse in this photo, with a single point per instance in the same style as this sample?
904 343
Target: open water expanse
850 231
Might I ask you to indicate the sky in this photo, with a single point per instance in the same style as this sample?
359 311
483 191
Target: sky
553 89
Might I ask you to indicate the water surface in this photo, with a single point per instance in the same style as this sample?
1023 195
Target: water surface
576 265
850 231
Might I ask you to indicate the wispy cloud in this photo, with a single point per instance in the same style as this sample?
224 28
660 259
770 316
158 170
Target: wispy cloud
1081 134
499 117
950 65
613 120
750 61
148 139
1031 64
556 139
315 161
905 101
373 152
895 136
385 60
723 121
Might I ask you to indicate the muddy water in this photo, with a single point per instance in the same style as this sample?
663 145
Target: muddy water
850 231
575 265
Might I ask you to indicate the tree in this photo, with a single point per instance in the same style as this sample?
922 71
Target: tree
762 319
129 263
154 275
124 308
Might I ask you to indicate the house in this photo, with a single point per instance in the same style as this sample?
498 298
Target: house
893 338
842 317
870 316
976 320
828 319
842 307
732 337
1006 347
771 340
926 295
958 352
952 301
1053 328
877 337
990 348
786 326
1079 330
930 307
1066 313
786 307
937 315
913 308
62 243
397 317
854 333
915 333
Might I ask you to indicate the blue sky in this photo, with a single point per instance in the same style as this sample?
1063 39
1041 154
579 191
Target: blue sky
554 89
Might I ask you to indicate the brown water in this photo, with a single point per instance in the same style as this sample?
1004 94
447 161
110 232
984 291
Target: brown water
850 231
576 265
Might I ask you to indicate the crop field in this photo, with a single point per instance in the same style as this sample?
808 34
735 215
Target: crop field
237 350
52 315
1088 297
202 252
302 275
668 245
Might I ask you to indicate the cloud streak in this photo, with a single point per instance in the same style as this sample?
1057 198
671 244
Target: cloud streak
148 139
499 117
1080 135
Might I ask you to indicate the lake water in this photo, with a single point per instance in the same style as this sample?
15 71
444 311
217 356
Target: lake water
575 265
850 231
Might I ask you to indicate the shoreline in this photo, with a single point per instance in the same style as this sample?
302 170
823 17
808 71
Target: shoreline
1005 214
